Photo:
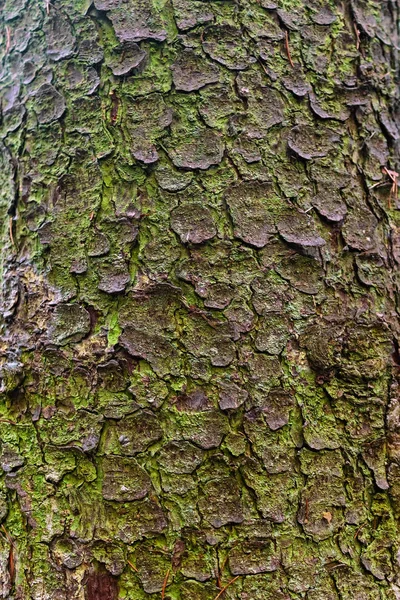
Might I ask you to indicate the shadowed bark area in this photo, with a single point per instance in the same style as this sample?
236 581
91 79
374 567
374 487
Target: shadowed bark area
200 274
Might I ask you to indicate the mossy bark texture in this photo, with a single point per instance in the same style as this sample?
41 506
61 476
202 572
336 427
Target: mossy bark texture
200 236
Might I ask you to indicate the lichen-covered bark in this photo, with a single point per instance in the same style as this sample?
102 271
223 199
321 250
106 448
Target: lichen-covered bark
200 273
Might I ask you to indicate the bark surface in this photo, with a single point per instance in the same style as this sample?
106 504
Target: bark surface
200 299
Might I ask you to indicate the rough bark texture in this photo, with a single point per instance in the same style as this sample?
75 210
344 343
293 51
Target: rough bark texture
200 273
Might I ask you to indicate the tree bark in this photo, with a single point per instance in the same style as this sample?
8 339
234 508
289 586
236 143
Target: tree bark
200 300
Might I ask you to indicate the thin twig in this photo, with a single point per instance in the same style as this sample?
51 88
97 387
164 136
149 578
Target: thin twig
357 36
132 566
8 536
287 47
262 66
10 229
226 587
393 182
379 184
358 530
393 176
221 570
11 561
338 566
164 587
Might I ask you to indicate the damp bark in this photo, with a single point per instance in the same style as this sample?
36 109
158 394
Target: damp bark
200 241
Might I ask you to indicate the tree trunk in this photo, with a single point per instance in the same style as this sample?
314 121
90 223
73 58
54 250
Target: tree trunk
200 274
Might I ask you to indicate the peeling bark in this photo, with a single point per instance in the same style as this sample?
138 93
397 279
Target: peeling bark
199 345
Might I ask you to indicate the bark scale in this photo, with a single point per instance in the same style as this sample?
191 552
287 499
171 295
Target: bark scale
200 270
